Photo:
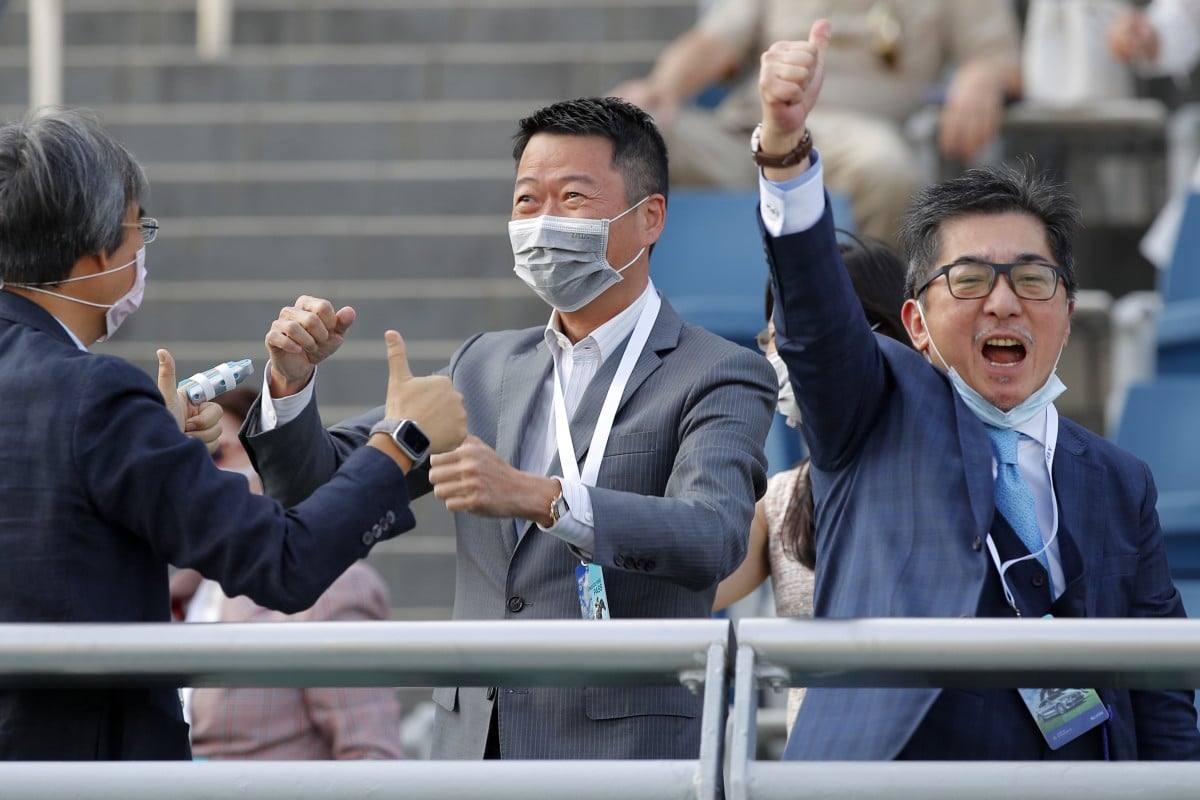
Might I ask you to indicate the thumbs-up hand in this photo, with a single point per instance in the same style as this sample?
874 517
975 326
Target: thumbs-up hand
202 422
789 83
432 401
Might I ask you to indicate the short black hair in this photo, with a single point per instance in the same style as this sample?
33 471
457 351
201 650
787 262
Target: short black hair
989 190
639 152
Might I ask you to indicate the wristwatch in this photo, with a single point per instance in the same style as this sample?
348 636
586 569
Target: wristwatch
407 435
558 507
791 159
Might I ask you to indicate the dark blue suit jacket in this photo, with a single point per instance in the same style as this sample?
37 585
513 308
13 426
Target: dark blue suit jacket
902 478
99 491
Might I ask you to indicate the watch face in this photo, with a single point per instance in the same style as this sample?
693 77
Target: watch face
413 438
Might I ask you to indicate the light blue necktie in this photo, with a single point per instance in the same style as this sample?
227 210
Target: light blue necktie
1014 498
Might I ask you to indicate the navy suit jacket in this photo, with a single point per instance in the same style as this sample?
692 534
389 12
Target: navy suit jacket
902 479
99 491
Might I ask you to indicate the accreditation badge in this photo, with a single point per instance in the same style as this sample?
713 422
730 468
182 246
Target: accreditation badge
593 599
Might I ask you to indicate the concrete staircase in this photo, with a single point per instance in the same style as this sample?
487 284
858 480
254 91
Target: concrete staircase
357 150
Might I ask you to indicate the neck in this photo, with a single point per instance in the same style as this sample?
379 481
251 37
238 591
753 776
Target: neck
74 316
580 324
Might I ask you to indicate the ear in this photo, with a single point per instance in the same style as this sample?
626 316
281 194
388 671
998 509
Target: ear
653 215
1070 313
914 323
89 264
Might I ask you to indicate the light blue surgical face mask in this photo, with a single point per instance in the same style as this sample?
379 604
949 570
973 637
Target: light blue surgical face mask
564 260
1025 410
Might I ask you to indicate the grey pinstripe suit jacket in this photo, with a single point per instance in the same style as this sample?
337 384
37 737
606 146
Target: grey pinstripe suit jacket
672 508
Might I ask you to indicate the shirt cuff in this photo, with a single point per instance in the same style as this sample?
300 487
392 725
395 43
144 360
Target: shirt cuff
794 205
576 528
274 412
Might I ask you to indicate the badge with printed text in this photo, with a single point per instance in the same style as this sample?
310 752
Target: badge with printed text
1063 715
593 599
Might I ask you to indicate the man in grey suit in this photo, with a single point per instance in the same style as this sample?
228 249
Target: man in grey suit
664 423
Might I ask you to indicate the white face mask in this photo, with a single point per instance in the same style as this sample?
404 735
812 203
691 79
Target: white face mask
117 312
787 397
564 260
1025 410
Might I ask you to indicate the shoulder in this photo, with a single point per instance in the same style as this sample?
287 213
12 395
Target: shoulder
1077 439
493 344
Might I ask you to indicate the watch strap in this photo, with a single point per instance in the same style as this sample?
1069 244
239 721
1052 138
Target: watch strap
391 427
789 159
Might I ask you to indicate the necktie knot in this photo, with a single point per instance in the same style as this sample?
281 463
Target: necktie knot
1004 444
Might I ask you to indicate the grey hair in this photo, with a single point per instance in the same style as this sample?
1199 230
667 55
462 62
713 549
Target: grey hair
989 190
65 187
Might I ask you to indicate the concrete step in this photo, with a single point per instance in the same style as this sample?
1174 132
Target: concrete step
101 75
371 188
477 305
321 248
238 133
273 22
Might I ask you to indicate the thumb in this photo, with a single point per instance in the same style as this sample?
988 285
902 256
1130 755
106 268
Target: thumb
397 356
343 320
167 384
819 35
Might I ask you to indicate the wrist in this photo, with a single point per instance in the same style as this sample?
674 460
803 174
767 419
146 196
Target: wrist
383 443
554 507
281 385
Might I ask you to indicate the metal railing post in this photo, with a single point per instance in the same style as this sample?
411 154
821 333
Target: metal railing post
214 28
45 53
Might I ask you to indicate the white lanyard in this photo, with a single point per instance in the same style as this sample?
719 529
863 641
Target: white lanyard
608 412
1051 435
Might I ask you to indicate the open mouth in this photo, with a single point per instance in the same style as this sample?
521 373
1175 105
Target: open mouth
1003 351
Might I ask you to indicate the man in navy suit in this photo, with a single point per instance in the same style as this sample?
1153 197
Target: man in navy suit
903 470
100 489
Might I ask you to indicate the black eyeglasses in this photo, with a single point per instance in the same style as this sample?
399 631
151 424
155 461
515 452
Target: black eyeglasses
147 226
971 280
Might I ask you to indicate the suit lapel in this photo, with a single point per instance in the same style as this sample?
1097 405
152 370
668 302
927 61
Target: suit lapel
1077 478
520 388
976 449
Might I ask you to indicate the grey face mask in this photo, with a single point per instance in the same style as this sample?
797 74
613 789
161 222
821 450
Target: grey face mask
564 259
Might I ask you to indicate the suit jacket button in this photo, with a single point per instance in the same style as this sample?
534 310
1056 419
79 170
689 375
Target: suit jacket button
515 604
1039 580
977 545
491 693
649 565
368 539
619 561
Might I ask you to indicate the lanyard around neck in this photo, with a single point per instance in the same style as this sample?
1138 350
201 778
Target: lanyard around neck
608 412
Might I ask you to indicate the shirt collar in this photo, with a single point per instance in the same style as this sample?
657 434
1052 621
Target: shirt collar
1034 427
606 337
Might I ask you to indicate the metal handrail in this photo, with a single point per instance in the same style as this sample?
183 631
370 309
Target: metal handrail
514 653
1124 653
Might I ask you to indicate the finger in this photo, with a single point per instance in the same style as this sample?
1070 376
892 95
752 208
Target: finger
397 356
167 385
205 421
343 320
819 35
